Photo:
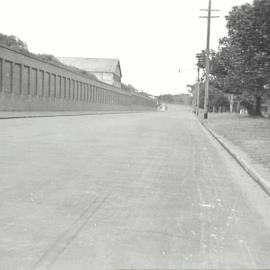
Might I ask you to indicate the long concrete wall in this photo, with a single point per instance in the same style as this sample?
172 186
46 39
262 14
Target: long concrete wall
29 84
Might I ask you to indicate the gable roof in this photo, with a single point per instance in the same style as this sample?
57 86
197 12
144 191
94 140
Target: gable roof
92 64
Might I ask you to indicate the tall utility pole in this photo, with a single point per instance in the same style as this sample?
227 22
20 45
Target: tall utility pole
200 64
207 60
198 92
206 96
194 101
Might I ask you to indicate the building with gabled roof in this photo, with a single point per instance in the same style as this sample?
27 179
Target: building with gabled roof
105 69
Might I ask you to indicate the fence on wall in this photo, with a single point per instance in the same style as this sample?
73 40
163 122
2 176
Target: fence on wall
30 84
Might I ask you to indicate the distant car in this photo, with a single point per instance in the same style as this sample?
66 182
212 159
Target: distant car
163 107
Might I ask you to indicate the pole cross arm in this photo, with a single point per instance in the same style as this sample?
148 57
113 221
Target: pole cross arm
211 9
209 17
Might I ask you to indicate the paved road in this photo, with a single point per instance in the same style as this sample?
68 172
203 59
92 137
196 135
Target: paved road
129 191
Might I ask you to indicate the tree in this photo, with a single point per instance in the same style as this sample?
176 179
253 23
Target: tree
201 60
217 98
177 99
13 42
242 64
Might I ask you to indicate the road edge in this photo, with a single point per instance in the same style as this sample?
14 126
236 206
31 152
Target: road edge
244 164
37 115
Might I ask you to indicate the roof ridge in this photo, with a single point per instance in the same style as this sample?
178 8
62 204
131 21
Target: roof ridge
92 64
96 58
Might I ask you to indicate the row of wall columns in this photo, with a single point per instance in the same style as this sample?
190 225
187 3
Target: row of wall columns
20 79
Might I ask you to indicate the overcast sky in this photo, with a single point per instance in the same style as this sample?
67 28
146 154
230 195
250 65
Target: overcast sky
152 38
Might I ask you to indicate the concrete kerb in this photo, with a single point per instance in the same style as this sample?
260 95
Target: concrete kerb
246 167
37 115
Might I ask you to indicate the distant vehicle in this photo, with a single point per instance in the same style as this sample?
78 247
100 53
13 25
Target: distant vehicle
163 107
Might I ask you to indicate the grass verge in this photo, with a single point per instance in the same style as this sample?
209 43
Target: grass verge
251 135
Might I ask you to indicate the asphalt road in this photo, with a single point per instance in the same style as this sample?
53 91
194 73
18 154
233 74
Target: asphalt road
129 191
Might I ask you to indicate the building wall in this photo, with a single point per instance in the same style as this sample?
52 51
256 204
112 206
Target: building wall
29 84
117 77
109 78
105 77
117 71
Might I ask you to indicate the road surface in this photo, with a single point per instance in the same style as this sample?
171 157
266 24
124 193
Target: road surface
129 191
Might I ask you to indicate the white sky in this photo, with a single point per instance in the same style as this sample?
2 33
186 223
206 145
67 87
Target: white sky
152 38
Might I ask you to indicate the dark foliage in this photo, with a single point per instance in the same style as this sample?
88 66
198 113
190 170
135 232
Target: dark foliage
20 46
13 42
242 64
177 99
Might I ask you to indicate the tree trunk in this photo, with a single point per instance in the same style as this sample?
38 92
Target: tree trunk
238 107
231 100
258 103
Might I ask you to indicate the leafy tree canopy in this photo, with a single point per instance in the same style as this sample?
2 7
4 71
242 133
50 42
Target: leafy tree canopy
242 64
13 42
178 98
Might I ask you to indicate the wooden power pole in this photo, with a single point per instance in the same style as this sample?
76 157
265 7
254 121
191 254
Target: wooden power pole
207 60
198 92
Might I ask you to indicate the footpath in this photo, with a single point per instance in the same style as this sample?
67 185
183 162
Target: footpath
247 140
